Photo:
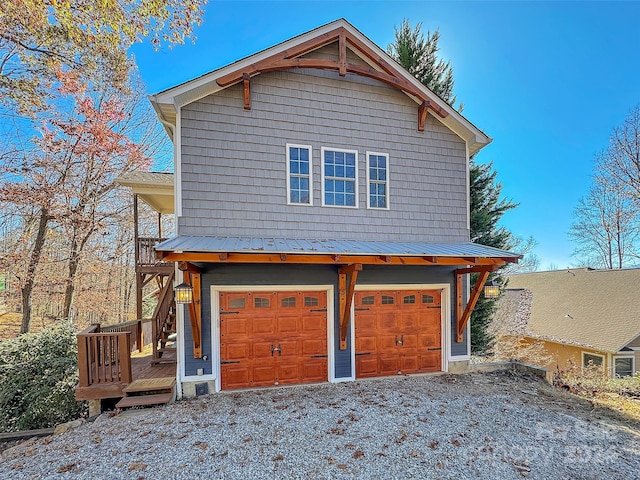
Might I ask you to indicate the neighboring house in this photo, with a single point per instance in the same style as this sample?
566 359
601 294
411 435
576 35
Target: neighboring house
582 316
322 214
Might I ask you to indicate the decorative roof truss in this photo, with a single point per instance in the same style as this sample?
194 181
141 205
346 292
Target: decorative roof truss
380 69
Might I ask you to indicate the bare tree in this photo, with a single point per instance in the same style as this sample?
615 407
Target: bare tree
605 227
530 262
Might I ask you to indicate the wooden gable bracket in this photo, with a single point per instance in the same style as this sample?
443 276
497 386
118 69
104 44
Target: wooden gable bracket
246 89
462 317
346 298
291 58
191 275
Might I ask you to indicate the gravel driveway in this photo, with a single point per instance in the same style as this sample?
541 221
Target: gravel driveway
492 426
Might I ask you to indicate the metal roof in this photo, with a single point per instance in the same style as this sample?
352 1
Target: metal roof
186 243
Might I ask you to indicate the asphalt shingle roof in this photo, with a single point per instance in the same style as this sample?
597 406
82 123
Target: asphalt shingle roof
596 308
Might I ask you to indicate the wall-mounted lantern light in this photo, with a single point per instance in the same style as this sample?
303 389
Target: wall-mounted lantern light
183 293
492 289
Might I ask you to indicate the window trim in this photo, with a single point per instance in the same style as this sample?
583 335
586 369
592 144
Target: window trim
355 152
633 364
379 154
310 176
604 360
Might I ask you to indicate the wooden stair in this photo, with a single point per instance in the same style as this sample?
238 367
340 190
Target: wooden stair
148 391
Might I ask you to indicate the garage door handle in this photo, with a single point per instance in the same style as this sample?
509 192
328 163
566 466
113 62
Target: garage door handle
230 361
365 353
360 309
319 356
318 310
276 349
401 341
433 349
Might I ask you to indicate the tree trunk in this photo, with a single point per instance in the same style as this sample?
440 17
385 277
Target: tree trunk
74 260
34 260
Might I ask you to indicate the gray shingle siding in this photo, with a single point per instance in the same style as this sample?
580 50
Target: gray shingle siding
234 163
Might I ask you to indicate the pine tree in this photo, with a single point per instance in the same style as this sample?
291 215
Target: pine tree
419 57
487 208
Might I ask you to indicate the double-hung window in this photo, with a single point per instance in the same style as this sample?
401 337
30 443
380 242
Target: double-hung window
299 184
378 180
339 177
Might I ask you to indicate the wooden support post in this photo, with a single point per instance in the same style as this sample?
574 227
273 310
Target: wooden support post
463 318
246 83
342 45
139 279
346 298
422 115
195 312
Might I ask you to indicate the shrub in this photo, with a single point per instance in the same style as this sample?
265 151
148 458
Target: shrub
38 376
591 381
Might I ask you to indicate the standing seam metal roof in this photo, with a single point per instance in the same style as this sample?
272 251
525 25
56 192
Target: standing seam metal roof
186 243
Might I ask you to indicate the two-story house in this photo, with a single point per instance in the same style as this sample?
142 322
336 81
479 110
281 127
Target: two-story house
322 205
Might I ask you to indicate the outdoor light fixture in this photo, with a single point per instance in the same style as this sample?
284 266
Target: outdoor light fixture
492 290
183 293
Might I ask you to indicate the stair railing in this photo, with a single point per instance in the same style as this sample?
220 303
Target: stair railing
161 312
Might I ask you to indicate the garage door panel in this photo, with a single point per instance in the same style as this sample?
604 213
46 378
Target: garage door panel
236 376
314 347
314 370
235 351
293 322
287 324
235 326
397 329
367 366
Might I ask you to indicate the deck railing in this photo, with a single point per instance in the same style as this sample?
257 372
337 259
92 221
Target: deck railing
146 253
104 357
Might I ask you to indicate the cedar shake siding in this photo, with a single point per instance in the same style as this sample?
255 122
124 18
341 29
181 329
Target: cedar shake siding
234 161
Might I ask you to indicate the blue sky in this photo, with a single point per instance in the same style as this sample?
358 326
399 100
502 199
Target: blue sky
548 81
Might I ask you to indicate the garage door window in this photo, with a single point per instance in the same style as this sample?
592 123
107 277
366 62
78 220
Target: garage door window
288 302
387 300
409 299
310 302
367 300
260 302
427 299
237 303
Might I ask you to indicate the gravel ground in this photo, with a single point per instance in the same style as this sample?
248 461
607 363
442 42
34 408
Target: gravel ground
488 426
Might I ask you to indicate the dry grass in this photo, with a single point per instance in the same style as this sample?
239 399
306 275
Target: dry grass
10 325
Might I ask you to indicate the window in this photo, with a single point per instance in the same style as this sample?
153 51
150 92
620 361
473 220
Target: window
288 302
623 366
310 302
261 302
367 300
592 360
409 299
377 180
427 298
299 184
339 177
387 300
237 303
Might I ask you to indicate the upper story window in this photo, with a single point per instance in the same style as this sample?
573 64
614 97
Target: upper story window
299 184
377 180
339 177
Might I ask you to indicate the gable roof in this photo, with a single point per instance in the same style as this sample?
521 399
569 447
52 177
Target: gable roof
287 55
154 188
584 307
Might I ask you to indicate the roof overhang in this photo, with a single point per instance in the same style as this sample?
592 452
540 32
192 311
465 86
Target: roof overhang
155 189
286 55
201 249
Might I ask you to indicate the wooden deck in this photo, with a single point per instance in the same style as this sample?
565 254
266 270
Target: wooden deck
141 369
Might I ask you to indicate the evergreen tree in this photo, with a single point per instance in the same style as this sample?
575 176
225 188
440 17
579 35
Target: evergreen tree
419 57
487 208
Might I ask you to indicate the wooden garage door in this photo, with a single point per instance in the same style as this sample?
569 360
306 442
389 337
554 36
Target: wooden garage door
397 332
272 338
